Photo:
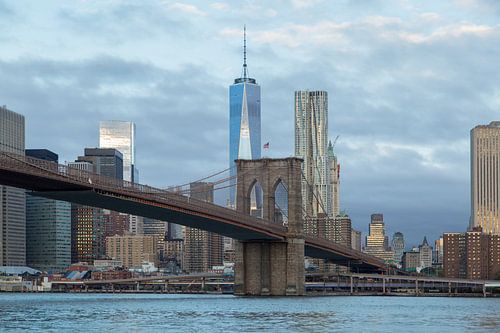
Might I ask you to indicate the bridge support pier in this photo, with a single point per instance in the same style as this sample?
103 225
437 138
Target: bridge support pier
269 267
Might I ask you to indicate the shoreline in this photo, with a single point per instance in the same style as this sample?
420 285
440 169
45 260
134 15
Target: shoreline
310 294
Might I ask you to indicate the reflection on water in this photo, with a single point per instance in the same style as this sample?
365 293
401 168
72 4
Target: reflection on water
216 313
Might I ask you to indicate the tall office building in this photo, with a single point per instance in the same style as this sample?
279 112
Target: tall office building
115 223
12 200
337 230
398 246
152 227
106 162
121 136
311 144
485 178
377 243
425 254
48 227
334 176
88 229
437 256
356 240
244 124
202 249
377 236
136 225
82 224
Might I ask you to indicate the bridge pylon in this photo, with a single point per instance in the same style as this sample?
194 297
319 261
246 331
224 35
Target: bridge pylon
271 268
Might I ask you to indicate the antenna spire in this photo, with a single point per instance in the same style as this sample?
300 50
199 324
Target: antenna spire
244 52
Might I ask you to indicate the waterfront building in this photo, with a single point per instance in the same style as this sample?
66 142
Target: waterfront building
111 275
356 240
48 227
485 178
173 255
244 125
398 246
471 255
202 249
311 144
229 250
377 242
12 200
425 251
132 250
159 229
411 260
106 264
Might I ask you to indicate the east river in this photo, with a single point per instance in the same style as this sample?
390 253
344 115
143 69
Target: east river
225 313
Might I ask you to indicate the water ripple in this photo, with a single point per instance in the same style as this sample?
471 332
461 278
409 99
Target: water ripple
216 313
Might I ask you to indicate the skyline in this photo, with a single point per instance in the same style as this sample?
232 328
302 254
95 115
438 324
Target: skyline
406 85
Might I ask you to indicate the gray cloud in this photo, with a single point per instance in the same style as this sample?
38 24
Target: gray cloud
122 22
404 111
405 89
178 114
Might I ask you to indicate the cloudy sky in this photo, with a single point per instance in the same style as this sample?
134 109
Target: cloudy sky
407 80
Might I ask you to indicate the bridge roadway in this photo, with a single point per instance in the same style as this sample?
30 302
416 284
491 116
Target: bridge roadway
60 182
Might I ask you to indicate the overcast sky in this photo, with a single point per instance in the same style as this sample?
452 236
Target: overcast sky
407 80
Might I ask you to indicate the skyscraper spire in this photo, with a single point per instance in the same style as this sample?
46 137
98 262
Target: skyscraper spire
244 52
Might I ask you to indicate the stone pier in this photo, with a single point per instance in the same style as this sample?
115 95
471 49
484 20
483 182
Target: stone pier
271 268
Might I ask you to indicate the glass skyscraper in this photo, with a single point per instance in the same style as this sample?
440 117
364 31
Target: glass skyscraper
244 122
12 200
48 227
121 136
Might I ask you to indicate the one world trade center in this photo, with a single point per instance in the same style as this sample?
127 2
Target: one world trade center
244 122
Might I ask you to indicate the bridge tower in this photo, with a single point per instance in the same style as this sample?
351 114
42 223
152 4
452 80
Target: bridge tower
275 268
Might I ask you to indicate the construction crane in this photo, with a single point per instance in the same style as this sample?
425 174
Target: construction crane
335 141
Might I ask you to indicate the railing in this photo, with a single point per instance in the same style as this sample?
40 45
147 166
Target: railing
80 177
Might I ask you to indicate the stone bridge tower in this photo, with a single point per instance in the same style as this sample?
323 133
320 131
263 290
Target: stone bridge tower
274 268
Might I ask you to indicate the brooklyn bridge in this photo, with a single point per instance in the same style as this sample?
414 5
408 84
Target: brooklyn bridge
269 255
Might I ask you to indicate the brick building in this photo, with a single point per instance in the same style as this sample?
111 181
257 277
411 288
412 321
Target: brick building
471 255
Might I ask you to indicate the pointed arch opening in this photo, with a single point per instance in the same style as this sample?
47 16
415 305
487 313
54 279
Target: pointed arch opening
256 194
280 191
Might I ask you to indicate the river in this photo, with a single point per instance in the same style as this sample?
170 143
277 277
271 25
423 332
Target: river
226 313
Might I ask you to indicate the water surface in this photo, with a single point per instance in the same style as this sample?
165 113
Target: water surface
225 313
